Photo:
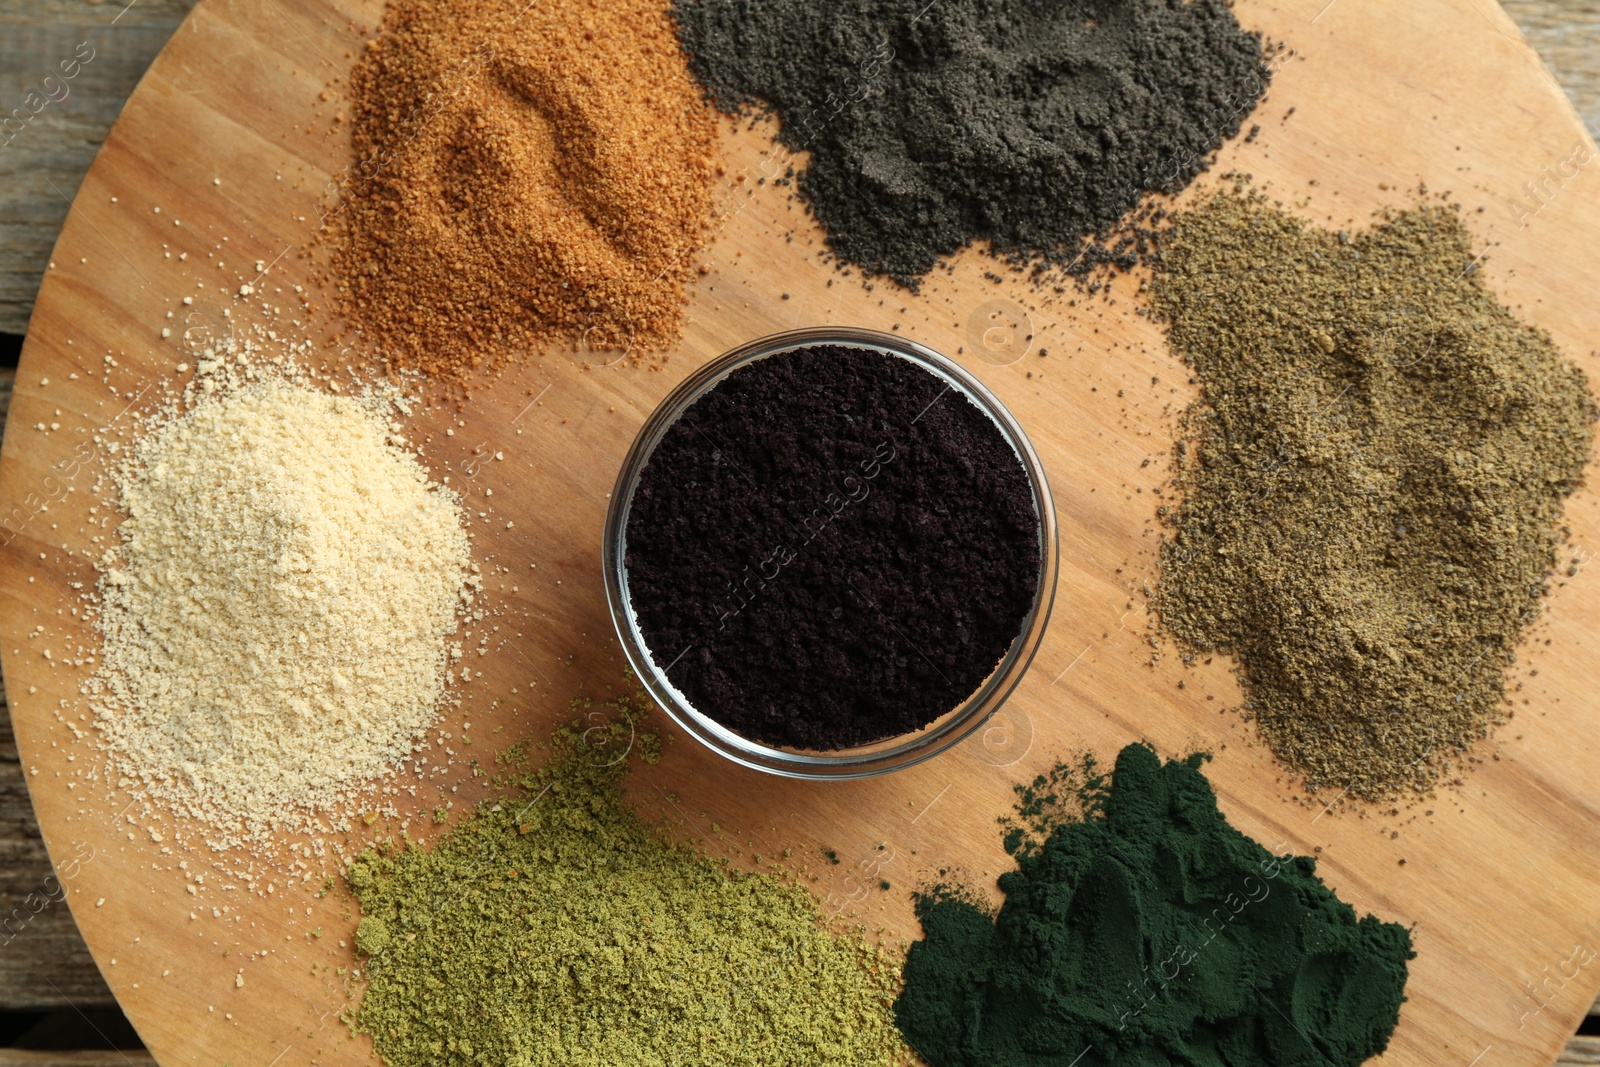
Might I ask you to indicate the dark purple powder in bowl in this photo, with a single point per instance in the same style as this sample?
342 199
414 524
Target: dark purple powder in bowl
830 548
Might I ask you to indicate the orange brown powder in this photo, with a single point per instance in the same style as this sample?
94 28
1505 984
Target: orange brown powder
523 173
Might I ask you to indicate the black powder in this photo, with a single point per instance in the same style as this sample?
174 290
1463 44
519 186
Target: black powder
830 548
1032 125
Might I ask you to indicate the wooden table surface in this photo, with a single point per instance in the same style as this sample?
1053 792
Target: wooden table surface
44 966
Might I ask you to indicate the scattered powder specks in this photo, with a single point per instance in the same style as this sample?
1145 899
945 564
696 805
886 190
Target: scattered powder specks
276 615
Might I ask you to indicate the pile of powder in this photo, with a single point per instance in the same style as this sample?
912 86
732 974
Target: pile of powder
522 172
1373 488
1140 928
553 928
275 617
831 547
1032 126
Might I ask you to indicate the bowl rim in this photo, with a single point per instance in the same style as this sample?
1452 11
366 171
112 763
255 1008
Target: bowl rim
890 754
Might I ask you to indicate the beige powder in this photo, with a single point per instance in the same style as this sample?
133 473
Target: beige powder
277 616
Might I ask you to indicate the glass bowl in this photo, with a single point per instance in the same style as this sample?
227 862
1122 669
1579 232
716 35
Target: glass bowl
893 753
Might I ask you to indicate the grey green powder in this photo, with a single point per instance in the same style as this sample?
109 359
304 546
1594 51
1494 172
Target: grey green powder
1372 483
556 928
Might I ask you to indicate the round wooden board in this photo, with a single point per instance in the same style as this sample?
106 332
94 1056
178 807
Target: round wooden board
1499 882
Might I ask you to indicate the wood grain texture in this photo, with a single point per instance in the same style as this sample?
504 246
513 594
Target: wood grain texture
44 155
44 963
43 960
1499 881
14 1057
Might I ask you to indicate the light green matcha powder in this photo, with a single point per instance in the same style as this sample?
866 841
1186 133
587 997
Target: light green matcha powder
554 927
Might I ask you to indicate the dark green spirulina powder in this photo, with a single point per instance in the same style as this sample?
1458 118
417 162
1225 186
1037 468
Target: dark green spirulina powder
933 123
1373 484
1141 930
554 928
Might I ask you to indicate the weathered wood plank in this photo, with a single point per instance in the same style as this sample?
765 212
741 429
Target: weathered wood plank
1566 34
1582 1049
50 130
